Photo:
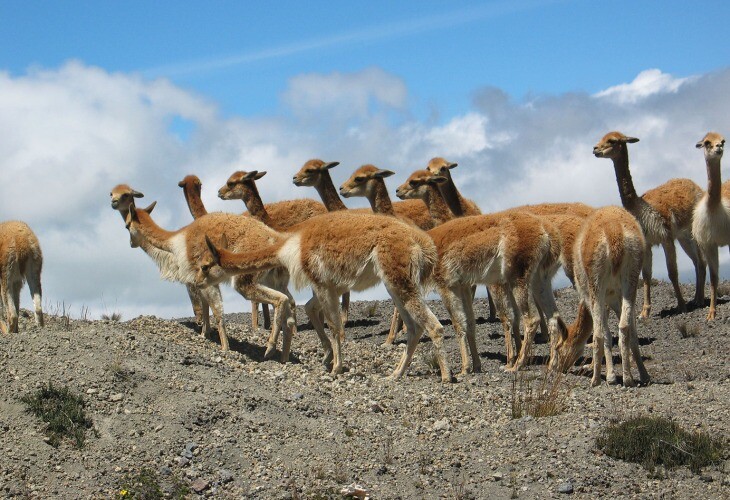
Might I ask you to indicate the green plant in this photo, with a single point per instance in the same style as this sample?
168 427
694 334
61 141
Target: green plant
145 485
63 413
542 395
652 441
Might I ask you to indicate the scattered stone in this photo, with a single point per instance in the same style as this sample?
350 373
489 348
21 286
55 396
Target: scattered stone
199 485
566 487
116 397
225 475
442 425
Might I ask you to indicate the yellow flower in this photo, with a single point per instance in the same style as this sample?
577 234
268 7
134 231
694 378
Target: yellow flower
123 493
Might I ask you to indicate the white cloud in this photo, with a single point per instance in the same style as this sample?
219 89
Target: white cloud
647 83
72 133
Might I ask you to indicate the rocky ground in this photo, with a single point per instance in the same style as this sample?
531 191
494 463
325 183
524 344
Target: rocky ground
231 425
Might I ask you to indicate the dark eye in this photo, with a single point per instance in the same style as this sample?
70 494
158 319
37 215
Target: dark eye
205 267
125 195
230 184
707 143
359 179
612 141
310 171
413 183
128 224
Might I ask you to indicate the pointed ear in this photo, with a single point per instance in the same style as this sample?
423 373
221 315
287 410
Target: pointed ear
150 208
437 179
181 183
382 173
224 241
700 144
259 175
452 165
137 194
330 165
631 140
213 250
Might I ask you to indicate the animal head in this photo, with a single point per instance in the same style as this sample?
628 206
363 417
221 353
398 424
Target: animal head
418 184
209 270
612 145
363 181
569 340
191 181
311 172
123 196
440 166
135 236
240 186
713 144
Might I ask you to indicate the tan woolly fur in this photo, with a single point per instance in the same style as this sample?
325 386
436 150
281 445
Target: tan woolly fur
122 197
342 251
607 254
711 221
368 181
515 250
21 260
188 244
242 185
664 214
457 203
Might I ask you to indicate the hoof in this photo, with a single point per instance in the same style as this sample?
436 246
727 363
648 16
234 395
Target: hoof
645 381
270 351
511 369
595 382
611 380
711 315
629 382
450 379
327 358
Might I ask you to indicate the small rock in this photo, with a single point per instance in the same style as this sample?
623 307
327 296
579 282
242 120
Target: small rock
355 491
376 408
116 397
381 470
566 488
199 485
706 478
91 390
165 471
442 425
226 476
497 476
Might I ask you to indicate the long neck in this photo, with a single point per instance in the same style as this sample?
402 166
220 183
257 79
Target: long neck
714 181
626 189
154 234
328 193
452 196
582 327
437 207
251 262
380 199
256 207
195 203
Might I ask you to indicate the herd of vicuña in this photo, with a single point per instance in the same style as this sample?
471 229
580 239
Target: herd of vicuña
433 240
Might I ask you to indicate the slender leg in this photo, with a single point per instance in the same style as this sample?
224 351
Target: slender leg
468 302
254 316
692 250
345 307
454 303
492 307
331 308
212 296
396 324
314 312
33 275
646 274
545 301
670 252
266 315
530 323
598 311
713 261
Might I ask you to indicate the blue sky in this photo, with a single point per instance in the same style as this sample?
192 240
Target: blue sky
93 94
241 54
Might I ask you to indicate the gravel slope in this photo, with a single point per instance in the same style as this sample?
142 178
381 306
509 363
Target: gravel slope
232 425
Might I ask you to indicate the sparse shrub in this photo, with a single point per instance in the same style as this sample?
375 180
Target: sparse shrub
63 413
542 395
688 331
652 441
432 360
115 316
118 370
372 309
145 485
